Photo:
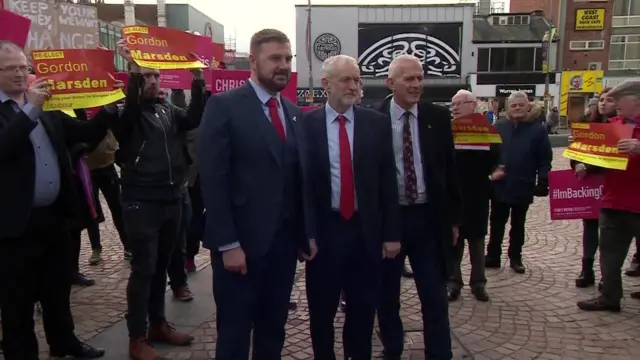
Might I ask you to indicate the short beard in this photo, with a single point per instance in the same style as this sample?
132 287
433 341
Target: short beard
269 83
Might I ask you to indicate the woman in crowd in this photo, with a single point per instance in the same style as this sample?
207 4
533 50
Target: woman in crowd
606 108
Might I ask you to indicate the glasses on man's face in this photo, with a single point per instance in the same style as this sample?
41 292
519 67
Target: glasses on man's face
460 103
15 68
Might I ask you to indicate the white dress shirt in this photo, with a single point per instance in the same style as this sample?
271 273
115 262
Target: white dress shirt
397 124
333 138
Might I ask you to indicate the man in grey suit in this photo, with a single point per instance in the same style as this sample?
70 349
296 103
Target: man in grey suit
250 151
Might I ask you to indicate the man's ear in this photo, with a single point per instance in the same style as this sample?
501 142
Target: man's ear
390 83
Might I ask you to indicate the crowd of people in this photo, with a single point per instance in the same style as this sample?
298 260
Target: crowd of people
353 192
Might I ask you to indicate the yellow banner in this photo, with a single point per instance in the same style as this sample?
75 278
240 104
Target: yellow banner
169 65
607 162
82 100
470 138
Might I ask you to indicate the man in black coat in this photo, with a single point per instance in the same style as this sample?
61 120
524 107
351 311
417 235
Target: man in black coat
478 165
38 200
429 197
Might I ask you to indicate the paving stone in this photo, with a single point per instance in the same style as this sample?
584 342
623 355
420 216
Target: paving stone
530 316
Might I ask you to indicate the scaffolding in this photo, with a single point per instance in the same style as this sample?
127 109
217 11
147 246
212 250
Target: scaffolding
230 49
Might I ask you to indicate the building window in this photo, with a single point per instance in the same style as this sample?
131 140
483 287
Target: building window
510 59
625 52
586 45
626 13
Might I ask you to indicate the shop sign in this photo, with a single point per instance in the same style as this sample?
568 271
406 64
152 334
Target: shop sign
505 90
590 19
326 46
318 95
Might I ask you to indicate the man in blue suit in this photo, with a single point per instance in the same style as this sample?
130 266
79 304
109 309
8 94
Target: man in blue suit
352 179
251 175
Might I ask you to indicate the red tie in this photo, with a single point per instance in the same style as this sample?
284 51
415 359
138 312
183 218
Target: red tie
347 191
275 117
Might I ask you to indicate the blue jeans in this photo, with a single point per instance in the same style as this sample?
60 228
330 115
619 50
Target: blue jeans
176 271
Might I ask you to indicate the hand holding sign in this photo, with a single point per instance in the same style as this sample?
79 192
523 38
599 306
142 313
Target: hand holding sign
38 92
498 173
629 146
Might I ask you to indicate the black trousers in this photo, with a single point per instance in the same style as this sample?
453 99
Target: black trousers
75 244
176 271
153 229
106 181
36 267
478 278
500 212
590 238
196 226
426 254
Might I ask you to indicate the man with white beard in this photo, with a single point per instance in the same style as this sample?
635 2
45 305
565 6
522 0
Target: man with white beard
478 165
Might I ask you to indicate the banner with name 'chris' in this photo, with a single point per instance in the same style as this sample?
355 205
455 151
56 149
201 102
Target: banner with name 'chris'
162 48
224 80
78 78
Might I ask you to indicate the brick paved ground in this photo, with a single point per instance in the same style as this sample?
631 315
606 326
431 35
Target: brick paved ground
531 316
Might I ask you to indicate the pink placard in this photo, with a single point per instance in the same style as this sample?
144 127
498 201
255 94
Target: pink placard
223 80
570 198
14 28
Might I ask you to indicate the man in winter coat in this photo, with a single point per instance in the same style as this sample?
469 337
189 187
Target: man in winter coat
526 156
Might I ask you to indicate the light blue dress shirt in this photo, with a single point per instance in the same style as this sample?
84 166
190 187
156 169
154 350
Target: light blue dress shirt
263 96
333 138
47 179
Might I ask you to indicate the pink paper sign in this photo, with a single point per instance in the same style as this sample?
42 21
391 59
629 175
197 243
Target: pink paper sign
224 80
14 28
570 198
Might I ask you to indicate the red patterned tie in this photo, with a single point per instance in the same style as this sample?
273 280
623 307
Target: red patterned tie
347 190
275 117
410 178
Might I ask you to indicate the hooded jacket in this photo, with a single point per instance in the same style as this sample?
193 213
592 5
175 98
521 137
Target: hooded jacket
526 154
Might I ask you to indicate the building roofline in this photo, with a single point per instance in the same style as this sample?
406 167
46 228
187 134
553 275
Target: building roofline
389 5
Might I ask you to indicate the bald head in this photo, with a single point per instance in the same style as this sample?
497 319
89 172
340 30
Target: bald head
463 103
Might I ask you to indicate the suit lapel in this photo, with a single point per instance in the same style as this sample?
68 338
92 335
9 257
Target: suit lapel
358 135
264 125
322 140
427 142
291 122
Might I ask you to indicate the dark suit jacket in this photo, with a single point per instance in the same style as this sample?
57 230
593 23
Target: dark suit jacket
438 157
244 174
17 163
374 173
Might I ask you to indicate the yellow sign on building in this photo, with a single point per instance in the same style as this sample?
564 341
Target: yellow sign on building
579 82
590 19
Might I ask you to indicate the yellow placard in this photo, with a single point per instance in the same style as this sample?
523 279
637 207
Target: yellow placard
590 19
475 138
603 161
82 100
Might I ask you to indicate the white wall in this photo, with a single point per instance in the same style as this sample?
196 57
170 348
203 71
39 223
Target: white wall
490 90
342 21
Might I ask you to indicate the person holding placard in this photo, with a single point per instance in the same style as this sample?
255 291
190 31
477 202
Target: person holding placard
620 205
151 135
39 200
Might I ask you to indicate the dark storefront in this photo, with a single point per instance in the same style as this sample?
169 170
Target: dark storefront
437 45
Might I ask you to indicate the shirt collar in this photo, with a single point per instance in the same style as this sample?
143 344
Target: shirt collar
333 115
399 112
263 95
3 97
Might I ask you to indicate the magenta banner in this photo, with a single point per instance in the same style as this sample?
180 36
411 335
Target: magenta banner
13 27
223 80
570 198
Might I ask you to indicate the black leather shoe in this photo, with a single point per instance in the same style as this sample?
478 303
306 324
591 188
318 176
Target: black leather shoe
453 294
492 263
82 280
407 272
481 294
517 266
83 351
386 356
293 305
